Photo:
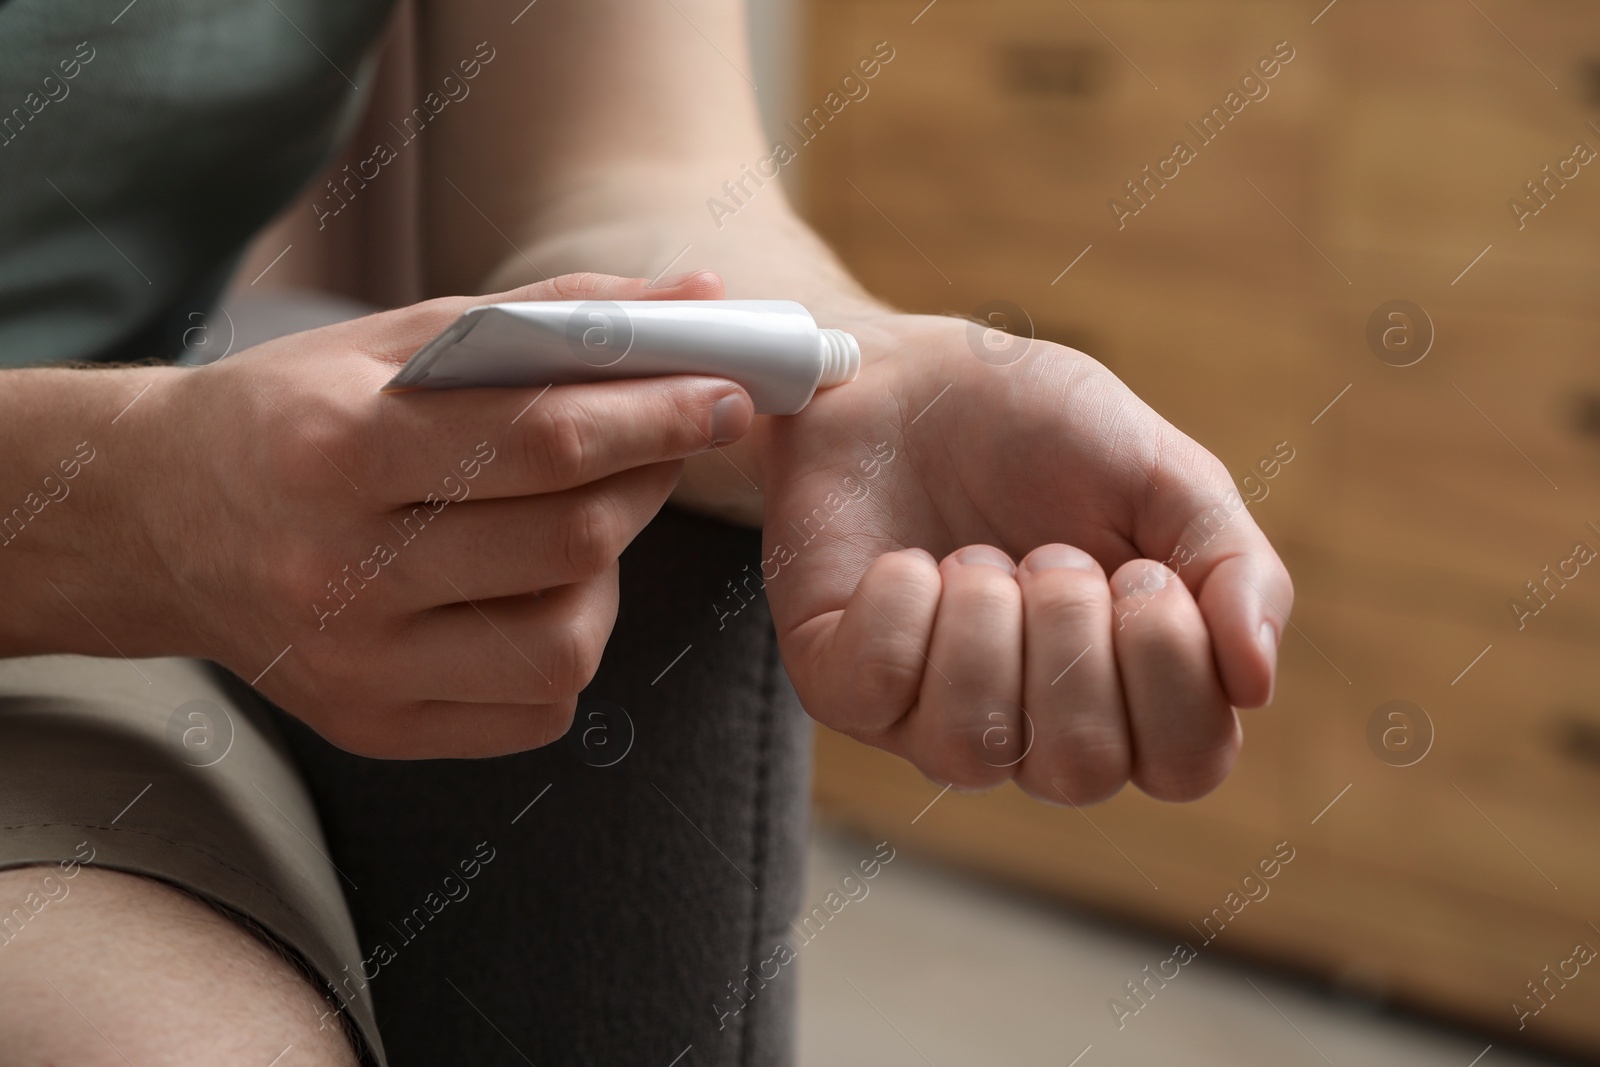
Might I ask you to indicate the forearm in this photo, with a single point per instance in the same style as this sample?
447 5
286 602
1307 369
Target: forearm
612 130
643 222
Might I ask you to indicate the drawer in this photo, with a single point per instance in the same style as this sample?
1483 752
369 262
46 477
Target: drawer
1022 112
1393 141
1126 855
1419 547
1513 51
1405 901
1510 278
1443 120
1513 732
1429 173
1462 472
921 253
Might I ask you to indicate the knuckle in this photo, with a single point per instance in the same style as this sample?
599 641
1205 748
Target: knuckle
1086 771
556 719
1212 468
1078 792
350 735
282 463
350 723
580 285
560 449
301 577
1191 777
331 447
988 592
957 756
310 448
1074 596
589 538
413 325
973 776
1161 628
1140 577
888 679
431 309
574 659
1286 603
343 677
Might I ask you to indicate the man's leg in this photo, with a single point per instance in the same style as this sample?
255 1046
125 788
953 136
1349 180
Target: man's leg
125 969
142 808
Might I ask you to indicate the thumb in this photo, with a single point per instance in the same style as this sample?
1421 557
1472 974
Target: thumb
401 332
693 285
1243 590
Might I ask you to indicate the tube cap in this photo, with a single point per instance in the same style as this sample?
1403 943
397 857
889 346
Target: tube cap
841 357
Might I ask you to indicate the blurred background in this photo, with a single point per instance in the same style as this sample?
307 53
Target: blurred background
1352 248
1339 271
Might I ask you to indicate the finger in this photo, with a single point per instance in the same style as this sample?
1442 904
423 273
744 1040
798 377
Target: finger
485 443
534 649
869 657
1081 750
539 440
1242 587
407 329
1185 734
1246 600
485 549
967 727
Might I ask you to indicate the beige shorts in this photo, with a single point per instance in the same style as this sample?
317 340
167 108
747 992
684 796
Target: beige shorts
168 768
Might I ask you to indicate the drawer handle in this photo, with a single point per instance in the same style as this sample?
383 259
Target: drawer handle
1586 414
1578 738
1071 71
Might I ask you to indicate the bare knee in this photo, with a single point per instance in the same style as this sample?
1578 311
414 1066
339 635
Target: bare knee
111 968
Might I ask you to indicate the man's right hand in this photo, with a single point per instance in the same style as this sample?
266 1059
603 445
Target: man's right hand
438 569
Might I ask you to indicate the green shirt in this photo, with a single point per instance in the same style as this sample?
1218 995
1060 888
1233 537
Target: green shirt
142 146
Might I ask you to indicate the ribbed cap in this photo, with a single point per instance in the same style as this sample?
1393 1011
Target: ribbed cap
841 358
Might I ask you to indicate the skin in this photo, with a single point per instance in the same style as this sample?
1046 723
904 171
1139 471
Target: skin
937 660
444 566
476 639
220 503
880 643
204 991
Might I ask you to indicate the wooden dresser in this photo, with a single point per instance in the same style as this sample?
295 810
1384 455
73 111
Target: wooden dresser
1248 291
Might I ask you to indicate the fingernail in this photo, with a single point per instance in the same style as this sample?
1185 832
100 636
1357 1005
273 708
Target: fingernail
988 556
672 281
1053 557
730 418
1268 636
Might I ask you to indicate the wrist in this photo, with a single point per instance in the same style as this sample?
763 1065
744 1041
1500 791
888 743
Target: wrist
624 223
70 523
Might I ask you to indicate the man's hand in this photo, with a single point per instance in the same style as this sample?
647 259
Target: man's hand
895 507
435 573
1053 450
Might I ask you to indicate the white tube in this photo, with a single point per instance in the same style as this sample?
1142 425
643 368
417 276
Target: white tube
771 347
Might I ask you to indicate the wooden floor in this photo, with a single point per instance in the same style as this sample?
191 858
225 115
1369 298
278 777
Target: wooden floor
935 969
